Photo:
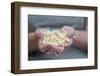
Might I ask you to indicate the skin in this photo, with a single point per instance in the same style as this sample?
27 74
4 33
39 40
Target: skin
32 42
46 48
36 41
77 38
80 39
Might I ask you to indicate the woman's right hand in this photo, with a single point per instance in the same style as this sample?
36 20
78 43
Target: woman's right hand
70 31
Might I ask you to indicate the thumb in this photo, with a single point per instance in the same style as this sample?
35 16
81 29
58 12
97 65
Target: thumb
39 33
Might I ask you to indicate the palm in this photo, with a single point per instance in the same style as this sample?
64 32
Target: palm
46 48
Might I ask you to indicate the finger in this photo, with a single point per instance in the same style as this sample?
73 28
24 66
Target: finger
52 50
41 42
40 32
65 44
69 30
44 31
57 53
60 51
68 44
45 48
56 50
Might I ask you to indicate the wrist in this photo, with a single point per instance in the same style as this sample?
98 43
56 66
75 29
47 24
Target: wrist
74 36
73 32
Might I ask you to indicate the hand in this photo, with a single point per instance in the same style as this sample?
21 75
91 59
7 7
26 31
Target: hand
70 31
46 48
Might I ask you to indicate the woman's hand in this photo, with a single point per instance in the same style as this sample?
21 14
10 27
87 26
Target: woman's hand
70 31
46 48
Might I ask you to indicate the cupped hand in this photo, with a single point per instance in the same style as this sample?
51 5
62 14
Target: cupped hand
70 31
46 48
